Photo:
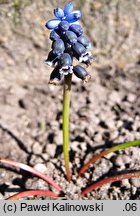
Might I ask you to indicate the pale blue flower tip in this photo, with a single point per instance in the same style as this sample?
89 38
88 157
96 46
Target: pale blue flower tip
59 13
51 24
73 17
68 8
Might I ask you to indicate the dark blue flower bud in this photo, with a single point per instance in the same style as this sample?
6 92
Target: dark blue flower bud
76 29
63 26
79 49
68 8
84 41
54 36
55 76
51 24
65 64
59 13
65 60
58 47
71 37
51 59
81 73
73 17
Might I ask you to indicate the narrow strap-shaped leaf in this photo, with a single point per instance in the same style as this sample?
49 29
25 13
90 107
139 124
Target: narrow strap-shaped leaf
32 193
31 170
110 180
100 155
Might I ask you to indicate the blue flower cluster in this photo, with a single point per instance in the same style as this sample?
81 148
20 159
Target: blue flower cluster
68 42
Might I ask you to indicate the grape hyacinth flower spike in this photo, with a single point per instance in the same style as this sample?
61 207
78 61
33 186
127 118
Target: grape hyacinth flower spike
68 43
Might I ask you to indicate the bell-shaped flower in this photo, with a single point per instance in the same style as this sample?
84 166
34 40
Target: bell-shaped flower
51 59
81 53
78 49
55 76
65 64
58 47
81 73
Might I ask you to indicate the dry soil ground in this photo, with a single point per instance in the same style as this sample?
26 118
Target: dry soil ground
104 112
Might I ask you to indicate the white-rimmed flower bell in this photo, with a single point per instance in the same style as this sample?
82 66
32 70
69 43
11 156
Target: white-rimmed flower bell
65 64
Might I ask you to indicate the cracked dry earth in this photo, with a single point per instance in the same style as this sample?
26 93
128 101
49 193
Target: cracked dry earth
104 112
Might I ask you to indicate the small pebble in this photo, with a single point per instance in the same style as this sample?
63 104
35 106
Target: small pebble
1 197
131 97
37 148
115 97
121 160
114 134
58 137
75 146
83 146
41 167
119 123
35 160
98 137
101 168
51 149
111 123
51 166
45 156
135 182
125 183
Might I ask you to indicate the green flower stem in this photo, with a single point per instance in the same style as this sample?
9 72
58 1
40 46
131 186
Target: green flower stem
103 153
66 105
